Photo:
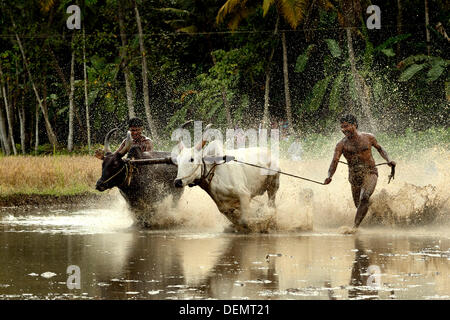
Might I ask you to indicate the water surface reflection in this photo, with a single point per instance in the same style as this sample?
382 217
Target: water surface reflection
119 262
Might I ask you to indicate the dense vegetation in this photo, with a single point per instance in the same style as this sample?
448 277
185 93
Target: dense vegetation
232 63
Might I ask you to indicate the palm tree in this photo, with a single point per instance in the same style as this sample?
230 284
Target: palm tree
148 113
10 140
351 15
86 100
427 32
6 148
71 100
126 69
293 12
186 22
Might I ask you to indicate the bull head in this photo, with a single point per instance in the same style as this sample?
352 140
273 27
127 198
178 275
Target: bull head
189 161
113 166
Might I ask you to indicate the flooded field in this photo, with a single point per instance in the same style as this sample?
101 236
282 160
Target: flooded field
401 252
117 261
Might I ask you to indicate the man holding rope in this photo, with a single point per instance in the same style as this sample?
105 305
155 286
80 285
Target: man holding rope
362 172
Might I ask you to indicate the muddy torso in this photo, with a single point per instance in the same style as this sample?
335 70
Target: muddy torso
358 152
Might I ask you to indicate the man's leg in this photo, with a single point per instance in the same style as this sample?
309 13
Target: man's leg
368 187
356 193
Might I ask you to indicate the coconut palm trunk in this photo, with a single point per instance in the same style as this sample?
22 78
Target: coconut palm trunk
8 141
22 120
86 101
145 91
287 94
10 119
427 32
71 102
126 70
399 26
3 134
36 134
266 115
361 90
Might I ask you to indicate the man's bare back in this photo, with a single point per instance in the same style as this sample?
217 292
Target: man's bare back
363 175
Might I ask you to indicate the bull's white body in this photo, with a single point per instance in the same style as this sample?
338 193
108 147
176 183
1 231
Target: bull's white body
233 184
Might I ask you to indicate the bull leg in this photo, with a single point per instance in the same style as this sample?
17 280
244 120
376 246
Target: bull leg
176 196
244 210
272 188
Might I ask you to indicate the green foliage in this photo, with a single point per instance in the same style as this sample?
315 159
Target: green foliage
181 35
302 60
336 91
318 93
411 71
436 67
334 48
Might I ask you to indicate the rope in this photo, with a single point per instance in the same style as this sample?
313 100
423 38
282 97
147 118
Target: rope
379 164
129 169
391 176
278 171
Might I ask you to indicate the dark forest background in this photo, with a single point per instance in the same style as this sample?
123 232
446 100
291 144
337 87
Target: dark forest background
297 65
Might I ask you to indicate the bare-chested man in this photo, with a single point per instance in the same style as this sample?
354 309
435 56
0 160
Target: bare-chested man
362 173
135 126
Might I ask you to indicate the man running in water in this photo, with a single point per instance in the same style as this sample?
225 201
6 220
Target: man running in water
362 173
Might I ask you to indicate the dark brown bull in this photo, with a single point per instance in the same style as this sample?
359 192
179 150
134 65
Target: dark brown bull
142 186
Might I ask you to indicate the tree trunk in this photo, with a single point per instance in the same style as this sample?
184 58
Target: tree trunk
266 115
287 94
86 101
3 134
66 87
144 76
10 138
126 71
427 32
71 102
399 27
22 124
51 135
2 147
361 91
36 138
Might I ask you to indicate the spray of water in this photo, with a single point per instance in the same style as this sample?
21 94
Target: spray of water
418 196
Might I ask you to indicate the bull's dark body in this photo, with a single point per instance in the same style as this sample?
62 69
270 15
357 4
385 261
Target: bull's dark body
149 184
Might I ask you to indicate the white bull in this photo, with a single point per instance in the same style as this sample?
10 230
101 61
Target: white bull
231 185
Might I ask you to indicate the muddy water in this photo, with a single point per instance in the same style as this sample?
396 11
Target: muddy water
117 261
401 252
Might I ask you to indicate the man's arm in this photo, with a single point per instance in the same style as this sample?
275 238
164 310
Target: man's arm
148 145
334 163
121 146
381 151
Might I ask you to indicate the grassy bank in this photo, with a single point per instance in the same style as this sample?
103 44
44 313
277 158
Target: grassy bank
27 179
41 179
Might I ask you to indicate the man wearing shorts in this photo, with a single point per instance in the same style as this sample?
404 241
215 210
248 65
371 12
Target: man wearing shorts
362 173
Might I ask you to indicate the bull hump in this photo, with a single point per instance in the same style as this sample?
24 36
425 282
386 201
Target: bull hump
155 154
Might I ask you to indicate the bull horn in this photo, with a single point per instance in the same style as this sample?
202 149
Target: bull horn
186 123
202 143
108 135
128 144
